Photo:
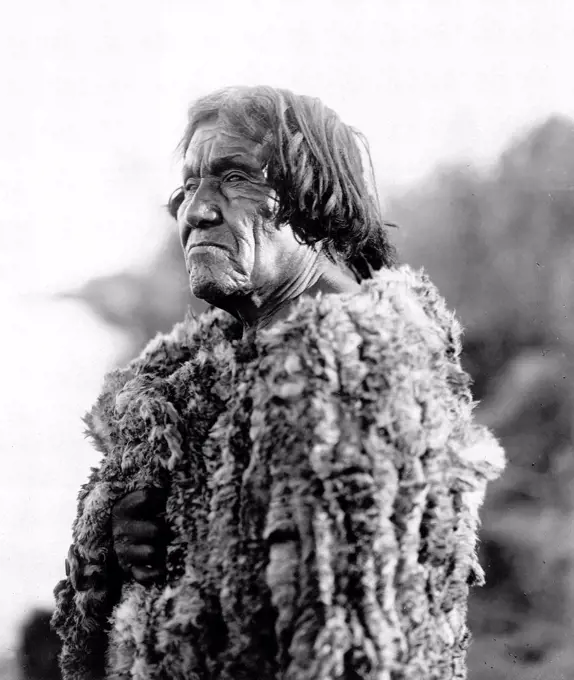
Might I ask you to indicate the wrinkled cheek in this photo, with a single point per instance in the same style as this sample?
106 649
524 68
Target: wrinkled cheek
262 220
259 203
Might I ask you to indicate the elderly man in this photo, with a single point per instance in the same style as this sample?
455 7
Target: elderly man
290 484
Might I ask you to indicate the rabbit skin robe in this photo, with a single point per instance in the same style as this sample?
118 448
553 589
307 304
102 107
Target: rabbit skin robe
324 478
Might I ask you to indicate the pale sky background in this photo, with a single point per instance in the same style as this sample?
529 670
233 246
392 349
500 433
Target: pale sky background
93 100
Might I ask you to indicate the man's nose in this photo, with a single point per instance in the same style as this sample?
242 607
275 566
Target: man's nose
202 212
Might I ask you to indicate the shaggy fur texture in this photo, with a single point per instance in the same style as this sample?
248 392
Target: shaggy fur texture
324 482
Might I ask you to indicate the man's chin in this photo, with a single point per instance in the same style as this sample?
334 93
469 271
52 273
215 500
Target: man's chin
215 292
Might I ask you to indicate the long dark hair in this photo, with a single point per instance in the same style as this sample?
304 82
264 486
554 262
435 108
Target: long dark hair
315 167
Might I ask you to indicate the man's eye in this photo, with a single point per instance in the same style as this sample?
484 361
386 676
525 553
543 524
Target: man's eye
191 186
234 177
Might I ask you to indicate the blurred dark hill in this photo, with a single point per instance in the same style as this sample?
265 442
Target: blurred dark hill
500 246
143 303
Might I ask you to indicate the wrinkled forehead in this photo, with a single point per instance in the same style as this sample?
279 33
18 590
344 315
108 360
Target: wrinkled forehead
215 140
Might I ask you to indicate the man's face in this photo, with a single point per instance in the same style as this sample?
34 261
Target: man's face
229 237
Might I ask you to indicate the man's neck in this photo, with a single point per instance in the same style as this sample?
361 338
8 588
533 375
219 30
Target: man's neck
320 276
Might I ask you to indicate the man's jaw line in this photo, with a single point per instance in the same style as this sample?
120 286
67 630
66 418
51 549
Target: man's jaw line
260 306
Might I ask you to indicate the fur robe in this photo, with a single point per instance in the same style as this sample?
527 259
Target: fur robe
324 481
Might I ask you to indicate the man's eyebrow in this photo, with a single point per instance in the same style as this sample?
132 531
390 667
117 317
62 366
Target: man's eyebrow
219 165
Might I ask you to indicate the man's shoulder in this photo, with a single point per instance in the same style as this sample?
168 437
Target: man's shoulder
159 361
393 303
414 301
164 353
167 352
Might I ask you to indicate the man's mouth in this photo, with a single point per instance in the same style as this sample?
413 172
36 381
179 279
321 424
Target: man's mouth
205 245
